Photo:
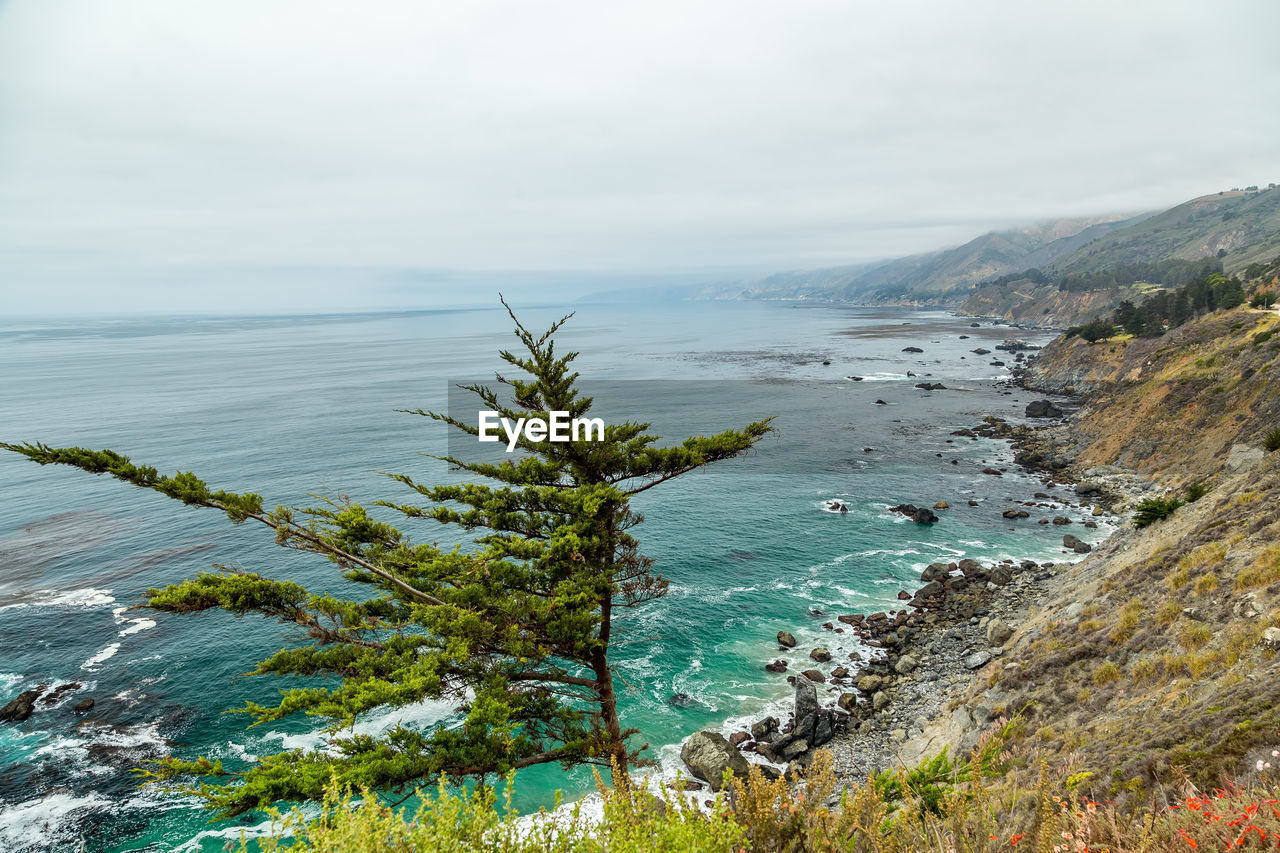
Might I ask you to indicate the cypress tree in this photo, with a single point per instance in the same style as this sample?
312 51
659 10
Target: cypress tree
517 628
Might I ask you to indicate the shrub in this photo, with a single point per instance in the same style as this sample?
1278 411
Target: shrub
1206 583
1264 571
1263 299
1196 491
1169 612
1105 673
1271 440
1154 509
1194 636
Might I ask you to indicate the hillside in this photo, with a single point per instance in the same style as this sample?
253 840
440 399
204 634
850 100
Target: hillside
1144 666
1239 228
932 278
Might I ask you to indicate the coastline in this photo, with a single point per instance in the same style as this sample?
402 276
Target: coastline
900 696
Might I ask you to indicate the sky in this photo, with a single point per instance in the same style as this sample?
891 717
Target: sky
236 157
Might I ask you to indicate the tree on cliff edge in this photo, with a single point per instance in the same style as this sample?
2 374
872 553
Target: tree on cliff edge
516 629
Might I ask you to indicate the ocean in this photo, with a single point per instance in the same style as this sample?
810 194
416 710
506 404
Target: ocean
296 406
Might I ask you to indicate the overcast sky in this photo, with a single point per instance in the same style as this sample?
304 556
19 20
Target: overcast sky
240 156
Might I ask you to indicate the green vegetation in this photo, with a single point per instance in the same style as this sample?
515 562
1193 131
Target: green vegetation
1152 510
1195 492
516 627
977 813
1271 440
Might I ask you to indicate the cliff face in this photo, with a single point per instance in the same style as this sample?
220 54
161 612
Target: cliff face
1171 408
1043 305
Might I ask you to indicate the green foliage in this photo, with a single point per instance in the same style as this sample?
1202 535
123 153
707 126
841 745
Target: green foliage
1093 331
1152 510
1195 492
633 821
1263 299
516 630
1271 439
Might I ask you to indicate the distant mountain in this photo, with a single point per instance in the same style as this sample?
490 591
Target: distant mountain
940 277
1243 224
1236 229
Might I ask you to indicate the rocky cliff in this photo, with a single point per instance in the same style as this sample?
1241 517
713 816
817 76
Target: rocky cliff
1150 665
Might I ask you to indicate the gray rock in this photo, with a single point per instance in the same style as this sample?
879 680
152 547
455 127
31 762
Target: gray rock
786 638
806 699
998 633
977 660
765 729
880 700
708 754
21 706
905 664
820 654
1043 409
870 683
1270 639
1244 456
934 572
823 730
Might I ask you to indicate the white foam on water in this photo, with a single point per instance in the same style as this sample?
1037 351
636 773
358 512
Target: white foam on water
74 748
231 834
87 598
24 826
101 657
9 679
419 715
136 626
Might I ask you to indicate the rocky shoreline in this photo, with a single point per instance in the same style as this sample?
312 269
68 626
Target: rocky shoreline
926 657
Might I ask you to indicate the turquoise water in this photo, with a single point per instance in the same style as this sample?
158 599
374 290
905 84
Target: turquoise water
295 406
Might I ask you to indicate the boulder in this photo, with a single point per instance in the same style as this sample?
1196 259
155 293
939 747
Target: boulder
912 349
992 472
924 516
998 632
1270 639
935 572
1043 409
820 654
739 738
999 576
849 701
806 701
977 660
942 505
905 664
84 706
708 754
681 700
21 706
823 730
1076 544
880 700
813 675
870 683
786 638
1061 520
777 666
764 730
